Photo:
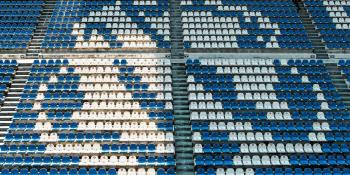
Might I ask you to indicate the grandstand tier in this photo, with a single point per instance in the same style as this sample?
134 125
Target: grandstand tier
109 24
253 116
242 24
93 113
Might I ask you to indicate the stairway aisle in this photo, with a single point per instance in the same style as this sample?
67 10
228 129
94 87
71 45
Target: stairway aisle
34 47
177 48
339 82
183 134
313 34
12 99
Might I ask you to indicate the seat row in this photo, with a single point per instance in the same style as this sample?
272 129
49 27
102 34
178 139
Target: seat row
248 45
89 137
259 78
92 115
94 70
89 171
92 126
254 62
271 148
271 136
263 96
96 106
88 161
270 126
101 62
261 87
271 160
98 87
302 115
281 171
86 148
109 148
96 96
99 70
245 70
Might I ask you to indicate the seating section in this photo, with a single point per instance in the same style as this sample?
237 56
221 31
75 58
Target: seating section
18 21
264 116
7 72
242 24
109 24
332 19
93 116
344 66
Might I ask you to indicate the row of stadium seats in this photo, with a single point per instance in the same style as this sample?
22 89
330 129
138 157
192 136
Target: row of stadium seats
263 171
269 126
85 171
140 136
271 148
87 161
92 126
94 116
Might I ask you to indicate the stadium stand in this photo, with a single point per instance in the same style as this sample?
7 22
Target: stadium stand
266 116
109 24
92 115
165 87
332 19
242 24
18 20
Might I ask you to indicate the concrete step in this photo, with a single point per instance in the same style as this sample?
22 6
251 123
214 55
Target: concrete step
183 137
41 29
339 82
313 34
